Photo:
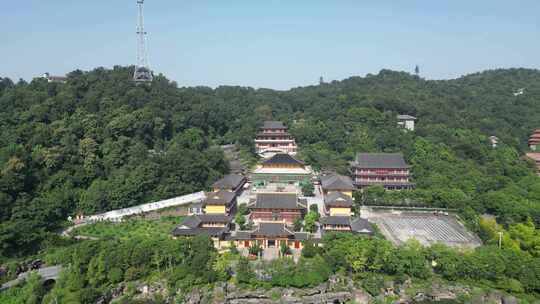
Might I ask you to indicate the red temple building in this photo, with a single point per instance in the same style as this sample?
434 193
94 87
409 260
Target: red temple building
534 140
273 137
277 207
385 169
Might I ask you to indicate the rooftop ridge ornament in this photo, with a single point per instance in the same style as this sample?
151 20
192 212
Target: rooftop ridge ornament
142 71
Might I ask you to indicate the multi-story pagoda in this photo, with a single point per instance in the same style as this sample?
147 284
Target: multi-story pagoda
386 169
273 137
534 140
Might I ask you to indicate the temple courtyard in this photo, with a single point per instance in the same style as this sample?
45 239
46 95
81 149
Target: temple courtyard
426 227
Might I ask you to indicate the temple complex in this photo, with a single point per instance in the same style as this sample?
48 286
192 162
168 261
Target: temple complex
273 137
385 169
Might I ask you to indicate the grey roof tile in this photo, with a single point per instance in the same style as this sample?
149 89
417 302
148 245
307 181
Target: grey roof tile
336 182
273 125
277 201
336 220
283 158
381 160
229 181
338 199
220 197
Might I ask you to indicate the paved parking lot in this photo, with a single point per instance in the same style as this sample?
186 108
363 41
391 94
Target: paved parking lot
428 228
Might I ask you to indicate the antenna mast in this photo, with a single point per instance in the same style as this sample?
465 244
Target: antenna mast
142 70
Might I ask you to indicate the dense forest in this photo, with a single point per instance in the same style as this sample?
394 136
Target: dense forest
99 142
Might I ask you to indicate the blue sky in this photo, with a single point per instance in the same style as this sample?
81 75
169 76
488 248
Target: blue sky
274 44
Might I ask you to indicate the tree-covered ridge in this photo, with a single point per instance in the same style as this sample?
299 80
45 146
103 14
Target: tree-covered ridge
100 142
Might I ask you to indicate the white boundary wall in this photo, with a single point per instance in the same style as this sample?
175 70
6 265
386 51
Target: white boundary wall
117 215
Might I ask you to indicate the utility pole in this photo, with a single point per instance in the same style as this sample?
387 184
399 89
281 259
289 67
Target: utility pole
500 239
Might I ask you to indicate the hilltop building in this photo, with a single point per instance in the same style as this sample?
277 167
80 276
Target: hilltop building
230 182
277 207
220 202
273 137
270 235
534 140
337 183
386 169
281 168
57 79
406 122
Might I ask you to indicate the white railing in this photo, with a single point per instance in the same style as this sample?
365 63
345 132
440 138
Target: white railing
117 215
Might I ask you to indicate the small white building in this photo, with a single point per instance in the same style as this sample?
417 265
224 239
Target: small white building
494 140
406 122
51 78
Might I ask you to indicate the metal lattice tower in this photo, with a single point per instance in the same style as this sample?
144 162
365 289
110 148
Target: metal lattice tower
142 70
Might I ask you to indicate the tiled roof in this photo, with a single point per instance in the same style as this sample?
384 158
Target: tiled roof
277 201
360 225
338 199
381 160
229 181
191 221
406 117
196 220
336 220
214 218
273 125
220 197
336 182
272 229
283 158
211 231
191 225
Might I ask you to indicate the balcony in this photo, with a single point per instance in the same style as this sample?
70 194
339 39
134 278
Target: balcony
285 140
